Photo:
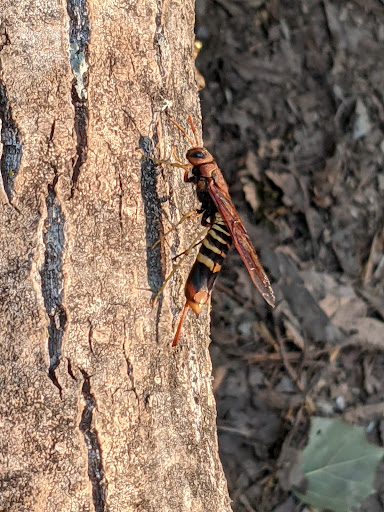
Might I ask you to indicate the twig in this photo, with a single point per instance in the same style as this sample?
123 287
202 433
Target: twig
286 362
244 501
290 356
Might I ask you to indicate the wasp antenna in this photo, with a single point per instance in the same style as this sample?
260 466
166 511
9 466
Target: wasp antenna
182 318
175 155
193 130
185 135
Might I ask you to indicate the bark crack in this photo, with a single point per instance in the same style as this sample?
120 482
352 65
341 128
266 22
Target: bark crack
4 37
79 36
51 274
95 463
131 378
12 147
158 41
121 194
90 337
130 368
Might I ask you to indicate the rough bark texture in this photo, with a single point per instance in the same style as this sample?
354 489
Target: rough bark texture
97 411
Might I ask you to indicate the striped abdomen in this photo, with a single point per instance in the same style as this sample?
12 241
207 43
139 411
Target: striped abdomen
208 263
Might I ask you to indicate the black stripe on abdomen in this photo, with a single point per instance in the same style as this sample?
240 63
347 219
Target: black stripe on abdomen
209 260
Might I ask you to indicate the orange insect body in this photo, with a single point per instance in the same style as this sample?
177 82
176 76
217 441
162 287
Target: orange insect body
225 226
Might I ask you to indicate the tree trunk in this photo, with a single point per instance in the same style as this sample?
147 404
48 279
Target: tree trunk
98 412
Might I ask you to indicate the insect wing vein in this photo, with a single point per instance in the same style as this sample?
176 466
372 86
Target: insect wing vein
242 241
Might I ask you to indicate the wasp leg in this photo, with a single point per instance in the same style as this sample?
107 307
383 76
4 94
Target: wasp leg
194 214
167 162
190 247
199 238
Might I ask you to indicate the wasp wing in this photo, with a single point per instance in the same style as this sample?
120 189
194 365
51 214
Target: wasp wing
241 241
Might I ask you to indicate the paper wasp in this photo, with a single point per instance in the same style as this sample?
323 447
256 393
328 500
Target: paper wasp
225 226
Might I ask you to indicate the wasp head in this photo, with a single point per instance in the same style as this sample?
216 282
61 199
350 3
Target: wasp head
198 156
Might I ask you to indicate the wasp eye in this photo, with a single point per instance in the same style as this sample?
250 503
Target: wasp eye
197 154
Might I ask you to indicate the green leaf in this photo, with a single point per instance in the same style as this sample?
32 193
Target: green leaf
339 466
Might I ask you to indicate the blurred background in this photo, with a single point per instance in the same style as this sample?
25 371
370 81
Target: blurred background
293 111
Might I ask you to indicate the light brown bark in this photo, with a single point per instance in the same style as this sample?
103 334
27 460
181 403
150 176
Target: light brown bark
98 412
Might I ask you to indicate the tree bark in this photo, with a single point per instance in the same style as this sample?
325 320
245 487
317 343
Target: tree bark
98 412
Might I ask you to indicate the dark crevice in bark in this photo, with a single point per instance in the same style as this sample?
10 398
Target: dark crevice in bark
95 466
70 371
90 337
131 378
81 125
52 133
79 36
4 37
130 368
158 41
12 147
121 193
52 278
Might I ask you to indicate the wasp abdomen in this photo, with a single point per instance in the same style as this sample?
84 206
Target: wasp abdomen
213 251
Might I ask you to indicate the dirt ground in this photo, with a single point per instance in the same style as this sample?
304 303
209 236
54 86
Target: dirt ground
293 110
